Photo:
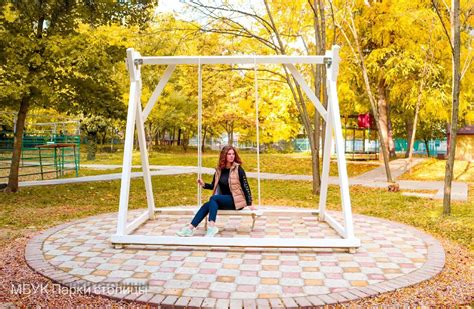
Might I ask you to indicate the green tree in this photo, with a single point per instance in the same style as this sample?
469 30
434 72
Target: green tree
93 126
46 62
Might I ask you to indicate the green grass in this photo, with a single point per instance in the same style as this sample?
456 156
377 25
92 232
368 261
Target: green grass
34 208
434 169
299 164
93 172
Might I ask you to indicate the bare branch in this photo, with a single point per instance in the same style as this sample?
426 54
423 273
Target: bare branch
333 22
275 30
226 8
442 23
467 63
250 69
236 33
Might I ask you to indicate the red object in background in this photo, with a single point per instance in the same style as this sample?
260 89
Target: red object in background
365 121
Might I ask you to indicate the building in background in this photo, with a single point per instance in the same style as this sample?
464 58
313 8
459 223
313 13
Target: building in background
465 143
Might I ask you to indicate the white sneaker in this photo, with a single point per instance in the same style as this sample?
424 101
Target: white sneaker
212 231
185 232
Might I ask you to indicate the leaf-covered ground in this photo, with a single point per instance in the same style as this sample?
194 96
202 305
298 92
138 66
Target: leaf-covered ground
434 169
44 206
36 208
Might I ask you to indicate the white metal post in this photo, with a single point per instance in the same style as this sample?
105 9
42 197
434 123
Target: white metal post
128 147
332 72
199 137
257 133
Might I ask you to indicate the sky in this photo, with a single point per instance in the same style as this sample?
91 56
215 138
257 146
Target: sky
177 8
182 11
170 5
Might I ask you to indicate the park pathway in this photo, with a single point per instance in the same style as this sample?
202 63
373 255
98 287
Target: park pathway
374 179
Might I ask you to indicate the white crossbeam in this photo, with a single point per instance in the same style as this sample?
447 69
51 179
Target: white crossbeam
247 59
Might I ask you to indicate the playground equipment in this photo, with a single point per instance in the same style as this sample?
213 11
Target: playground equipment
358 141
45 149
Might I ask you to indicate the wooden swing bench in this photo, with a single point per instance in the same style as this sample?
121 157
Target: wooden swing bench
244 212
190 211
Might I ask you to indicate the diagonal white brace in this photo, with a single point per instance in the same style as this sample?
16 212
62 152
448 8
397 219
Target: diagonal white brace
159 88
144 155
299 78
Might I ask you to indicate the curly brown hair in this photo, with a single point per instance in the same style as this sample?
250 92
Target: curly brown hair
223 156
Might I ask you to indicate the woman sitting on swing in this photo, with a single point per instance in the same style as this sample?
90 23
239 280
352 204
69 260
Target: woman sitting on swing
231 191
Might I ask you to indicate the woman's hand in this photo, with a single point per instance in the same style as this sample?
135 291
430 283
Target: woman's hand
200 182
251 207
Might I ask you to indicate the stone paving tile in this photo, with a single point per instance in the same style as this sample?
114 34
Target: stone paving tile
391 256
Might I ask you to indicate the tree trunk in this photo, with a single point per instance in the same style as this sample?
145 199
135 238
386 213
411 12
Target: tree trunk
319 24
415 121
456 52
185 141
230 134
410 136
91 146
391 144
358 53
157 138
427 146
315 155
382 107
135 143
17 145
373 104
203 142
418 102
12 185
299 99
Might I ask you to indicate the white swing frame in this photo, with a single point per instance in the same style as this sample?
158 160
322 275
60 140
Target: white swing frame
137 117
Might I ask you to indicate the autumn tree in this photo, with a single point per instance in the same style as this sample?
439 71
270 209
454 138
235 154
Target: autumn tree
277 30
455 48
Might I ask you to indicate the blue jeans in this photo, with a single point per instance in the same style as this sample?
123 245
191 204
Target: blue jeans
224 202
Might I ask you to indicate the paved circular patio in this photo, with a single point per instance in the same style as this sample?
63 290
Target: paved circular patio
392 255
